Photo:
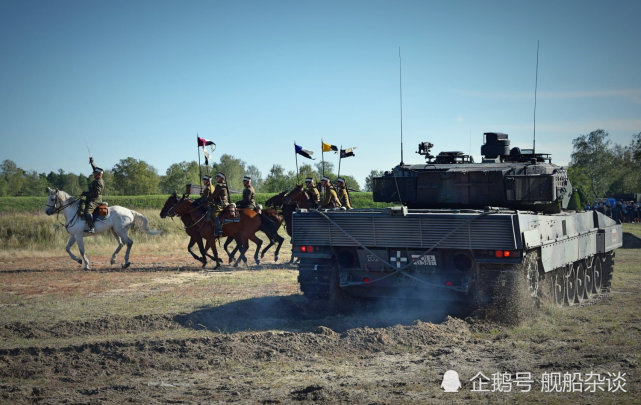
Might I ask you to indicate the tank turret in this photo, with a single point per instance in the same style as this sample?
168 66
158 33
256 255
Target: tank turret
507 177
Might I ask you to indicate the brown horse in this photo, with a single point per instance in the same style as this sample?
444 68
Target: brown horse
271 221
242 232
196 233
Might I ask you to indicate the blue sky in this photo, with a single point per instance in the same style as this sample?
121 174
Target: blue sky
142 78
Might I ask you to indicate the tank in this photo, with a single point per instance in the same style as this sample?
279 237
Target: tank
488 235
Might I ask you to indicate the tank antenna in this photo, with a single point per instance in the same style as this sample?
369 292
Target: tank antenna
400 87
536 85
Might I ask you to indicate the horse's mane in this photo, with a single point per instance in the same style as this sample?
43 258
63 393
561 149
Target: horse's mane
64 196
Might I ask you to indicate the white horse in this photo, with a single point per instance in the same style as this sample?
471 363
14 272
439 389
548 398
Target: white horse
119 220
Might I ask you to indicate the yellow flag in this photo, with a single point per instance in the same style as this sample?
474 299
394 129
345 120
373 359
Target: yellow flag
327 147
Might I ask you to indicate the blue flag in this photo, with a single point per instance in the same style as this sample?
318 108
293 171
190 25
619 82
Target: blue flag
303 152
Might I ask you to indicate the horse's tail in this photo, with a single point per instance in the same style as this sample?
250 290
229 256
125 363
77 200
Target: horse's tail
142 223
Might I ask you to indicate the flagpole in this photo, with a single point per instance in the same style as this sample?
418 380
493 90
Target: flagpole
200 173
296 157
340 157
323 156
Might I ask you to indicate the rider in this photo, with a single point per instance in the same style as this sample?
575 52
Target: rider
249 194
217 201
331 198
343 195
93 197
313 192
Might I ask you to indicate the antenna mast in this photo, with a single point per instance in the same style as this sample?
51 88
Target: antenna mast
400 87
536 85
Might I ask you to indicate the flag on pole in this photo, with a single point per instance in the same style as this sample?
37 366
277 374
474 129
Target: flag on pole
347 152
327 147
204 142
303 152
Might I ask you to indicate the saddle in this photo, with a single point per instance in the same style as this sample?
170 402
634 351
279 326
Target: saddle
102 210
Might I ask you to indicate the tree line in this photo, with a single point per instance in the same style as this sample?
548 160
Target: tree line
598 168
131 176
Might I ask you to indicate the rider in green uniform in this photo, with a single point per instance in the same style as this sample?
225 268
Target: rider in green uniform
93 197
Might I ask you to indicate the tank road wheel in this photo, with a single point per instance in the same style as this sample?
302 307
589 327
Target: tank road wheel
570 283
608 267
597 274
558 287
580 282
589 278
530 264
519 295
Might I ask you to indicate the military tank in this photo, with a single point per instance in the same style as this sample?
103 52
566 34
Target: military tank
484 234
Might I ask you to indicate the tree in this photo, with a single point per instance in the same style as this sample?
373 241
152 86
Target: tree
277 180
592 153
234 170
178 176
134 177
257 180
13 176
369 185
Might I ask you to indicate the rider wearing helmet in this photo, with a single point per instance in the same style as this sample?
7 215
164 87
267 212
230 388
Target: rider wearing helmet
249 194
93 197
343 195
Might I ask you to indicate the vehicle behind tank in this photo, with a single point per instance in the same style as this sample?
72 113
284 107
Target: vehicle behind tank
490 235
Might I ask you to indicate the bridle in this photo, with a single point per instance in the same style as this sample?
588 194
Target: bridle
64 205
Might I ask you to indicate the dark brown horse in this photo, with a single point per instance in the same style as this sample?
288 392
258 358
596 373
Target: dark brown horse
195 232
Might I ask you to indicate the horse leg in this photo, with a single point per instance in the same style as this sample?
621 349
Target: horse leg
81 248
271 243
120 245
129 242
72 240
233 252
198 240
280 240
241 248
259 242
211 243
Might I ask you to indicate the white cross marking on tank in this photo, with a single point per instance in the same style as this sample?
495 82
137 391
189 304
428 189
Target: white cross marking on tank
398 259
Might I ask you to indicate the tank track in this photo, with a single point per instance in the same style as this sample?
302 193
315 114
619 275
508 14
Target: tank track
513 293
314 276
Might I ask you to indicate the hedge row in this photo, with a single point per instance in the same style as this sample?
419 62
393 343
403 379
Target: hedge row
22 204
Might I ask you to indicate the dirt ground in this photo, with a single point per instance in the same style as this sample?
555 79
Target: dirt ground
165 331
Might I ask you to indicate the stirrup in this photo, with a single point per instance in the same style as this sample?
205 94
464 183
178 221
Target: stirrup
91 230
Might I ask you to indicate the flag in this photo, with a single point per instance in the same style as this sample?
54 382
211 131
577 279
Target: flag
327 147
204 142
303 152
347 152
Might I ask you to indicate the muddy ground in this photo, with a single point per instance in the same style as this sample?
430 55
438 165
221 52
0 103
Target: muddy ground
165 331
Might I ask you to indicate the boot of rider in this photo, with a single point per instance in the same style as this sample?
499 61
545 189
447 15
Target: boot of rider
219 227
90 222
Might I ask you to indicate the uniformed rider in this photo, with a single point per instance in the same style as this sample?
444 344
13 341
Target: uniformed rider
249 194
330 199
313 192
218 200
93 197
343 195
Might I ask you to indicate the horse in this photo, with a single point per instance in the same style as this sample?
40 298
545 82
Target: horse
119 220
241 231
270 222
195 235
289 202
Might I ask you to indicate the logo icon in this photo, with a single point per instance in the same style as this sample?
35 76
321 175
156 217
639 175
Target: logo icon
451 382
